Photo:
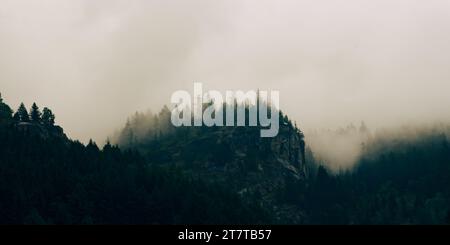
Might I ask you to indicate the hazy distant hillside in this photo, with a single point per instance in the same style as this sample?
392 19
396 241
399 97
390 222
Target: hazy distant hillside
402 176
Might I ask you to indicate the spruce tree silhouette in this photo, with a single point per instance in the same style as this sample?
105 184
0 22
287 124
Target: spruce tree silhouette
22 114
5 110
35 113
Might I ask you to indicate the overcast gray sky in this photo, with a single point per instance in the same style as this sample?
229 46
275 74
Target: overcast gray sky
95 62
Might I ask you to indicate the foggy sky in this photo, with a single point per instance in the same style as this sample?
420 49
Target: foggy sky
95 62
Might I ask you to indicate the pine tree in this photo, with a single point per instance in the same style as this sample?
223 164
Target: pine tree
35 113
363 128
48 118
22 114
5 110
107 147
92 147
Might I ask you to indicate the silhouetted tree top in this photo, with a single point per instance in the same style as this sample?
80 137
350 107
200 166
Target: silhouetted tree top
5 110
22 114
363 128
92 146
48 118
107 146
35 113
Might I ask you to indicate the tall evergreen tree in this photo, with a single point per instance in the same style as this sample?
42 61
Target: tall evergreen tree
363 128
35 113
5 110
48 118
130 137
22 114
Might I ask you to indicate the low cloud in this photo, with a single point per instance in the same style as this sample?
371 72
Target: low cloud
96 62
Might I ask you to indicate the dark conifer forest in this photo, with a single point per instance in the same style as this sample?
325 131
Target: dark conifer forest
154 173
